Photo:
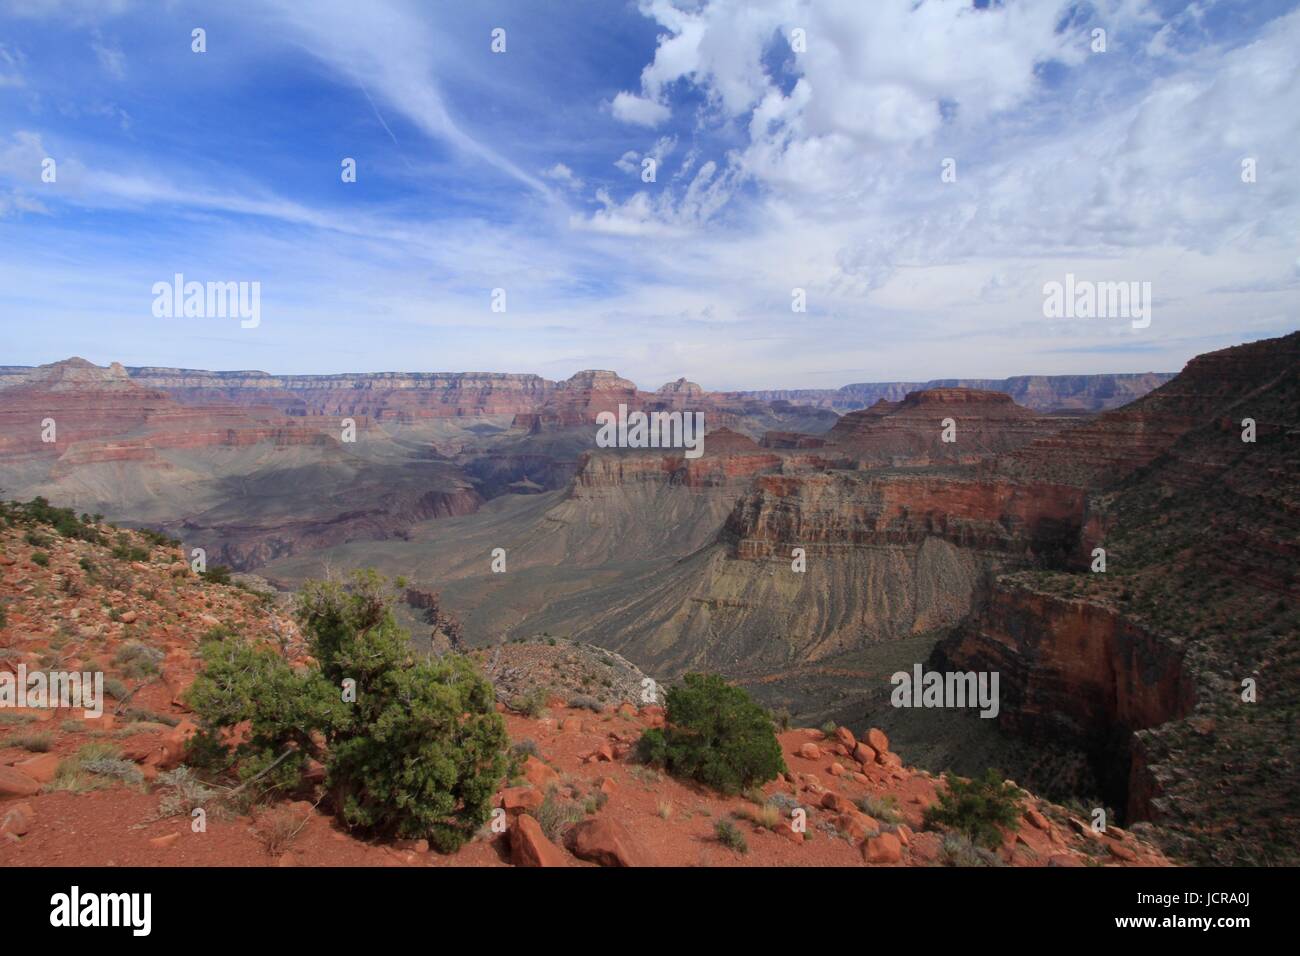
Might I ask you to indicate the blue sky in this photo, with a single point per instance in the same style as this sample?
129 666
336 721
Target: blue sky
778 168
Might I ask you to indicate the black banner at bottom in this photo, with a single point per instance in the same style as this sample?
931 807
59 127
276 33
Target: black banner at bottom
142 906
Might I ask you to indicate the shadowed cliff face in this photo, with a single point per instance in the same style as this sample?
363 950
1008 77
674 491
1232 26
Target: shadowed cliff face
1176 667
1074 671
823 513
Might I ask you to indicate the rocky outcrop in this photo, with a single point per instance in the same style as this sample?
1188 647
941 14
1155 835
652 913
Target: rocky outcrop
1074 670
939 426
1151 664
828 513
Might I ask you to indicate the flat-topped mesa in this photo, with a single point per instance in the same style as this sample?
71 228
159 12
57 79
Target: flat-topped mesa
101 414
939 426
965 396
379 395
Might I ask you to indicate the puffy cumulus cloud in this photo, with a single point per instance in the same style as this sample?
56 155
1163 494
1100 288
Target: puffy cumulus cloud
562 174
640 110
824 84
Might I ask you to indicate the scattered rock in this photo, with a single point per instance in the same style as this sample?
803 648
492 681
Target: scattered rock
606 842
838 803
15 783
864 755
530 847
539 774
1123 852
18 819
885 848
40 768
515 800
877 740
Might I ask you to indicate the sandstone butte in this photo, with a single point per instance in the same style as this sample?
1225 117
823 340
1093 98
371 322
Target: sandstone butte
629 816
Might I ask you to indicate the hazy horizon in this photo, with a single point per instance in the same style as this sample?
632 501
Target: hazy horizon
640 385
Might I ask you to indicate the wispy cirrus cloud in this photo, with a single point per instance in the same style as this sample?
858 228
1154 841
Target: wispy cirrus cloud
780 160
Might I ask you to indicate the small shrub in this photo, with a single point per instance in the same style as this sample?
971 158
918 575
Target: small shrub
158 539
216 574
714 734
526 748
40 742
767 816
977 808
127 552
556 814
92 767
884 809
587 702
138 660
277 828
531 704
41 559
730 836
185 793
958 850
418 754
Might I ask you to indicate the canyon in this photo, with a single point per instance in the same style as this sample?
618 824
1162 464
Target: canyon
821 541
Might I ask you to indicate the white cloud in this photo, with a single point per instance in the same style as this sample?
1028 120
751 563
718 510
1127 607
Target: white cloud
640 110
564 175
390 52
111 58
11 63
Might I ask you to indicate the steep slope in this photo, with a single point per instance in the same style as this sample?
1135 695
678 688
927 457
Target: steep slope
107 790
1143 666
